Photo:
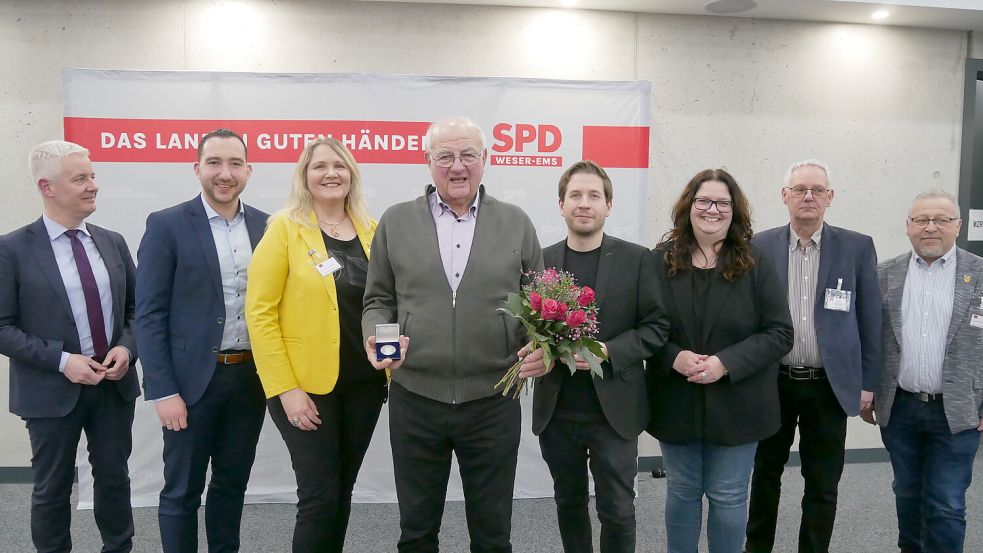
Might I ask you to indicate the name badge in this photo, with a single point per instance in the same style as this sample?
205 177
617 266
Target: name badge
328 266
976 320
838 299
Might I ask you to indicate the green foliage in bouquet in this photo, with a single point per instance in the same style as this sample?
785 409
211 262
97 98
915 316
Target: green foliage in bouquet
560 318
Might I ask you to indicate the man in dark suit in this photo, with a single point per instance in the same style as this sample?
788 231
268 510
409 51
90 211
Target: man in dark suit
66 306
579 418
832 371
191 291
929 404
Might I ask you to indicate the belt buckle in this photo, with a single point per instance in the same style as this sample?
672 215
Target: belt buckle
795 373
926 397
235 358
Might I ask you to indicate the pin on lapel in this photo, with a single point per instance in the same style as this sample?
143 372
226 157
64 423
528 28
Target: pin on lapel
967 279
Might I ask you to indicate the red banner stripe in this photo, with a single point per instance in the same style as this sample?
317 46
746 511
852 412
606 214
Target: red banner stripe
276 141
617 147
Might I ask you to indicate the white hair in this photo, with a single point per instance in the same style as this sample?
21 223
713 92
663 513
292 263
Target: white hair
460 120
44 161
807 163
934 194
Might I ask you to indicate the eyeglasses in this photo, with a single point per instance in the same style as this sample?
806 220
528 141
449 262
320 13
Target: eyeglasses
447 159
819 192
922 222
723 206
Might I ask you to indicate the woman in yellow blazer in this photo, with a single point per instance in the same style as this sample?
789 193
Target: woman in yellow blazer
303 310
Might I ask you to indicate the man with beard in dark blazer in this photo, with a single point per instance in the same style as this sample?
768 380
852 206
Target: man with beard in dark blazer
584 421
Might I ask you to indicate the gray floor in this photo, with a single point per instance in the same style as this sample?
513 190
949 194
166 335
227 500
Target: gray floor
865 523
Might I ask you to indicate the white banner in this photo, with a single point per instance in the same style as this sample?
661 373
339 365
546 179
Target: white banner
143 127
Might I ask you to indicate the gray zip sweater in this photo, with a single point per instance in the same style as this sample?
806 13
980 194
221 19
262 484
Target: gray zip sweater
460 346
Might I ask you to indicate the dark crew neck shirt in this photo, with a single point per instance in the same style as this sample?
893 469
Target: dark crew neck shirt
577 400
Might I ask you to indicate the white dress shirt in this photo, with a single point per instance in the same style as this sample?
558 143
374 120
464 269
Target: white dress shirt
926 310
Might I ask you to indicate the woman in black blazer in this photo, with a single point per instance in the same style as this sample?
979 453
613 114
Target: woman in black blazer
713 388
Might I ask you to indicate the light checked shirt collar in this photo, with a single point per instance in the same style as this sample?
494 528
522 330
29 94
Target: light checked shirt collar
436 202
211 213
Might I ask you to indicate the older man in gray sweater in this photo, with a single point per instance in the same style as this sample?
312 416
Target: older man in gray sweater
440 266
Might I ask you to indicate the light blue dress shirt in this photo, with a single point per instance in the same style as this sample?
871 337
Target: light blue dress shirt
235 251
61 245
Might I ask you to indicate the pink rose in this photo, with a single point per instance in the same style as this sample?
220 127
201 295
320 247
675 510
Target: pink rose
576 318
586 297
550 275
535 301
551 309
561 311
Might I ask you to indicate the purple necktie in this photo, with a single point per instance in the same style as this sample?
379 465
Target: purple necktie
93 307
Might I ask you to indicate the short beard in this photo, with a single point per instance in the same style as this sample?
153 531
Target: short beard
932 252
585 233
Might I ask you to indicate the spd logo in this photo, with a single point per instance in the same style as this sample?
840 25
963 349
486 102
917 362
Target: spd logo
523 144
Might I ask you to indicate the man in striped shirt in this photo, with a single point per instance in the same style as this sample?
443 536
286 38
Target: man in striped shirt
929 402
832 370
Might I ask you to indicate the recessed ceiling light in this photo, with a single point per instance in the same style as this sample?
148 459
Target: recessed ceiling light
880 14
730 6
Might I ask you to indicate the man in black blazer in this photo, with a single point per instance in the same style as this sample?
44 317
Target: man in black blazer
66 306
199 370
580 419
832 371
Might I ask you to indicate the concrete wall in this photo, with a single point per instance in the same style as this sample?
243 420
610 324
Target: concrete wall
881 105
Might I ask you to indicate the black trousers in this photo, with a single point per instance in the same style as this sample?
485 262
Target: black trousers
484 436
108 423
812 406
569 447
223 428
326 462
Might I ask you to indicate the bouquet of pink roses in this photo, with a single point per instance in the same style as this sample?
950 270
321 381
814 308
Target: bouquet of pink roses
561 318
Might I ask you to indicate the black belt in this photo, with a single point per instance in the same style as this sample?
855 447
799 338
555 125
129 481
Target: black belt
235 357
924 397
794 372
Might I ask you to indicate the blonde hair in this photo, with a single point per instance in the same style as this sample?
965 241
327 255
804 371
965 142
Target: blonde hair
300 204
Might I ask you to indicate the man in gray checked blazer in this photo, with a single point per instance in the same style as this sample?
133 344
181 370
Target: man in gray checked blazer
929 404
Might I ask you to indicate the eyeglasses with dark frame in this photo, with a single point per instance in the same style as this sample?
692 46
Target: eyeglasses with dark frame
446 159
818 192
922 222
723 206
